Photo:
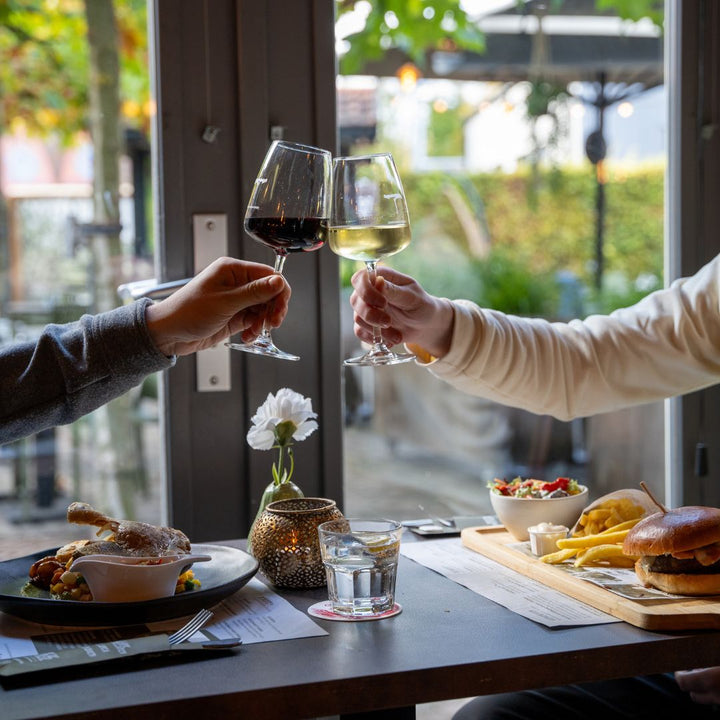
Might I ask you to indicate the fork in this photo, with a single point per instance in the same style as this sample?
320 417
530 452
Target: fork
192 626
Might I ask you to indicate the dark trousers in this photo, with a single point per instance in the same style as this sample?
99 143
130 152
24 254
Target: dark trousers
652 697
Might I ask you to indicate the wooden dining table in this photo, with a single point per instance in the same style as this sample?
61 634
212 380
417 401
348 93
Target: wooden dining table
448 642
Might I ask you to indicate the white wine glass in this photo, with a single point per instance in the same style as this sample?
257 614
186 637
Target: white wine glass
288 211
369 221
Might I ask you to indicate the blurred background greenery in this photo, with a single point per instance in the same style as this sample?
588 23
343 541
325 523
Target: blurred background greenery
488 261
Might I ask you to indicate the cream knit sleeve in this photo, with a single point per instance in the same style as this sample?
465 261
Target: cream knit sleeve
665 345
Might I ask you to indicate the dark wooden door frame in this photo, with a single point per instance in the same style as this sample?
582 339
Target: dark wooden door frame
244 67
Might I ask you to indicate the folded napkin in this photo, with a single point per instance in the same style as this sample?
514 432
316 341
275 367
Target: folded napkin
99 653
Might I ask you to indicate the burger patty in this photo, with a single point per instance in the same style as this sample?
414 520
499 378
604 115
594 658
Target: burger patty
669 564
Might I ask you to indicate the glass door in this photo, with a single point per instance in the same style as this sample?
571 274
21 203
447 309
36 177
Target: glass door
534 165
75 195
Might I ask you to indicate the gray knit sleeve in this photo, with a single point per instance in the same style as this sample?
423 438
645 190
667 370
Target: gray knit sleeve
75 368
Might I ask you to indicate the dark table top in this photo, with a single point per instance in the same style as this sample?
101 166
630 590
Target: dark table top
447 643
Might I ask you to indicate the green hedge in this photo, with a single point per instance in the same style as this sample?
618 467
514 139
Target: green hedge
537 226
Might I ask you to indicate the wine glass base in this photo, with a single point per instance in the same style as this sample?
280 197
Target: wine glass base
378 357
263 348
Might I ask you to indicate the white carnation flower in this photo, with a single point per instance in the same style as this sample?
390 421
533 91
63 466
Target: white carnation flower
283 417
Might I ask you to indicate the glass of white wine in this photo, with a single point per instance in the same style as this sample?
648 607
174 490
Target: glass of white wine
369 221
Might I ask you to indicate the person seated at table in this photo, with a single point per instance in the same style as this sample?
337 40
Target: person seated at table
665 345
75 368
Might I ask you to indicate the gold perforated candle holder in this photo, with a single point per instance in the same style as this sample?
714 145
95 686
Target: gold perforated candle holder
285 541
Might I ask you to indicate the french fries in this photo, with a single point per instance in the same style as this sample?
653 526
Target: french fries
599 536
558 557
612 553
586 541
613 511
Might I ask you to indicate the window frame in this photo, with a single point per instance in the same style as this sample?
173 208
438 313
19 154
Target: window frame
231 56
693 180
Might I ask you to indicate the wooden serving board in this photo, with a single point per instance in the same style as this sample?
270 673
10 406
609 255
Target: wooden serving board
662 614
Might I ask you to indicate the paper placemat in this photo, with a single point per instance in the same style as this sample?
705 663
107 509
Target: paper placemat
514 591
254 613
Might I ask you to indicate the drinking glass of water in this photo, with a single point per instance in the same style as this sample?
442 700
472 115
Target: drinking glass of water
361 559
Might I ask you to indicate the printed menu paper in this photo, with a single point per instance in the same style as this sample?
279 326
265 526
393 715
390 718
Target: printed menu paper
522 595
255 613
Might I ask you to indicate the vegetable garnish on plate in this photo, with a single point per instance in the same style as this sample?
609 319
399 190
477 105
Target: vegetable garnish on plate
532 488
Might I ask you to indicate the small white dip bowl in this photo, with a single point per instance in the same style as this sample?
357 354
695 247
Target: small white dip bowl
518 514
116 578
544 537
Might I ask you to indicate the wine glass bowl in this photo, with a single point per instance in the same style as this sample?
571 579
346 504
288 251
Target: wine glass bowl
288 212
369 221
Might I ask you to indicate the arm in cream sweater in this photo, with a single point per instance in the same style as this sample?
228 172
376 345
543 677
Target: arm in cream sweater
665 345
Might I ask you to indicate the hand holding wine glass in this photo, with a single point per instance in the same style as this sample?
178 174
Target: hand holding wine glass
369 220
288 211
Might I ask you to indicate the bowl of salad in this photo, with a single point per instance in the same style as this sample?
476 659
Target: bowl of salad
523 502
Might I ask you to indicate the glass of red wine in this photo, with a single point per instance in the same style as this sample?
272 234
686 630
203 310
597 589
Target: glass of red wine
288 211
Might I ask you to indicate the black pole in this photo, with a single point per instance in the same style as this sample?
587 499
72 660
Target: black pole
596 149
600 190
599 225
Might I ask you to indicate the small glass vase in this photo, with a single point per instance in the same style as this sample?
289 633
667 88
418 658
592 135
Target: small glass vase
286 543
274 491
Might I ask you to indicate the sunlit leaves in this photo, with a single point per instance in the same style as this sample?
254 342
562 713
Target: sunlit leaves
413 26
419 26
44 64
635 9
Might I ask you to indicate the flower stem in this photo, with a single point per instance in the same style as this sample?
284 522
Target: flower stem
292 463
280 475
278 469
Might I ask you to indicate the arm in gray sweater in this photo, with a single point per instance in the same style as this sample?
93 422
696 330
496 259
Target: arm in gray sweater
75 368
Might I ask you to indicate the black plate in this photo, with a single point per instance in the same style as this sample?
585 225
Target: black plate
228 571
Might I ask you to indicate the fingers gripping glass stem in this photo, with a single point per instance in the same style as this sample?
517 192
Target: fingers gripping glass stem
379 353
263 344
288 212
368 221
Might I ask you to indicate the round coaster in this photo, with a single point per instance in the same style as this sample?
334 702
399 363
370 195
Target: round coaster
324 611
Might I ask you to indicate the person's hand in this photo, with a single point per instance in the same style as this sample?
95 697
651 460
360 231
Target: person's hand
702 684
403 310
229 296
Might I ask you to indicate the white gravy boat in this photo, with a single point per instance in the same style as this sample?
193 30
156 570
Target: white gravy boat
119 578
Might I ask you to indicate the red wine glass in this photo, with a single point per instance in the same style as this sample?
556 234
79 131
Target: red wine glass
288 211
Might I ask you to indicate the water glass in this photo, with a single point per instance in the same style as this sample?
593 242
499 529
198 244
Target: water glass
360 559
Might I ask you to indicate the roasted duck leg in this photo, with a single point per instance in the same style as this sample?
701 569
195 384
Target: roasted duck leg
132 537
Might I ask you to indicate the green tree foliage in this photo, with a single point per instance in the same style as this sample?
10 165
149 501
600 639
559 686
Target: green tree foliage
635 9
44 65
412 26
418 26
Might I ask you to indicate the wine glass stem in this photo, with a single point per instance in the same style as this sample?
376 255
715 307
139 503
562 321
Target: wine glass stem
371 266
279 264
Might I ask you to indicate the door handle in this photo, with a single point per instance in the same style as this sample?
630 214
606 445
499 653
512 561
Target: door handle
150 289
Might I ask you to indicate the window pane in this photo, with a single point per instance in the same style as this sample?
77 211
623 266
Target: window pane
534 173
75 225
